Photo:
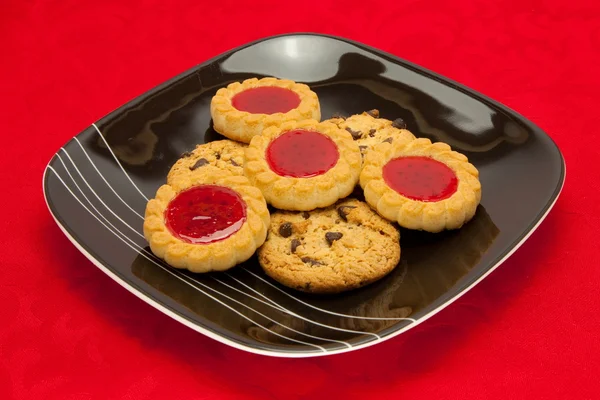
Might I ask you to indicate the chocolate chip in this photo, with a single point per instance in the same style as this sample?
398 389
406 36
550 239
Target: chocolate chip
355 134
186 154
200 163
305 215
232 161
343 211
338 115
372 132
295 244
399 123
373 113
311 261
218 156
285 229
388 140
333 236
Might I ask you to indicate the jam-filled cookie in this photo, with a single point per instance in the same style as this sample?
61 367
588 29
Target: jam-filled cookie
368 129
339 248
207 221
421 185
243 110
223 154
303 165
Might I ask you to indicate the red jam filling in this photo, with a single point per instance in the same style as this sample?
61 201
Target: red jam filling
420 178
302 154
205 214
266 100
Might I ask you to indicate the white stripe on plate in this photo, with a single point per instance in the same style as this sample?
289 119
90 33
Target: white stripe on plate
117 160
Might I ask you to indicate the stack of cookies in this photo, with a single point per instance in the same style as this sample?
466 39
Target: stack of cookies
213 214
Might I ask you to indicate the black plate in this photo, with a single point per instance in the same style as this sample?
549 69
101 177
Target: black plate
96 188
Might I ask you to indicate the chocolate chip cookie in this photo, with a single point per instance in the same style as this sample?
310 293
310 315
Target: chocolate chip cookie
223 154
368 129
330 250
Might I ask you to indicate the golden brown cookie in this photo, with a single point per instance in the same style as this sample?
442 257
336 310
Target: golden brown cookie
421 185
243 110
330 250
223 154
207 221
303 165
368 129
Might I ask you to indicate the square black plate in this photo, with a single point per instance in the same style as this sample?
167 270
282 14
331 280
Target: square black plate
97 185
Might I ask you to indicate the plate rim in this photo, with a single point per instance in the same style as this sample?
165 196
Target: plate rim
517 243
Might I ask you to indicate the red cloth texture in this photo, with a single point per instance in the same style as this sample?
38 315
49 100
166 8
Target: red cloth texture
528 331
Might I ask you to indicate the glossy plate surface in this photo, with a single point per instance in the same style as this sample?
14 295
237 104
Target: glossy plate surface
97 186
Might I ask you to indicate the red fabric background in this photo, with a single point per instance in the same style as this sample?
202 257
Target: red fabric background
530 330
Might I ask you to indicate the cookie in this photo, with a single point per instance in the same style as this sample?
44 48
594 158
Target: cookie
421 185
330 250
303 165
243 110
223 154
207 221
368 129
